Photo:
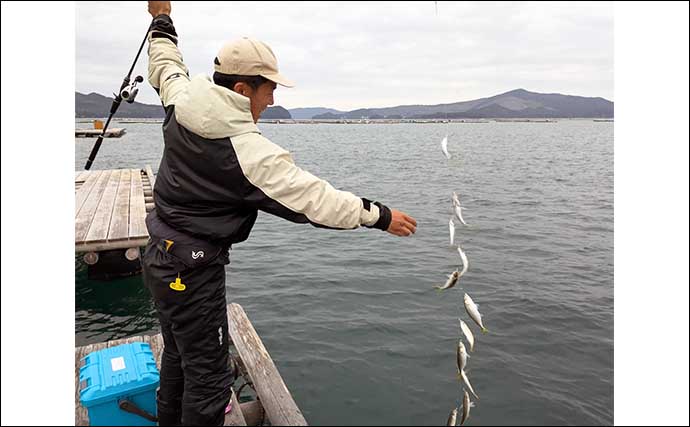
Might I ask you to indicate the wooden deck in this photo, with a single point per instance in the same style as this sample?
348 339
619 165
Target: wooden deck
95 133
274 399
110 208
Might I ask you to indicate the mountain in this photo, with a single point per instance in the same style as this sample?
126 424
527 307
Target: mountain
97 105
518 103
276 112
308 113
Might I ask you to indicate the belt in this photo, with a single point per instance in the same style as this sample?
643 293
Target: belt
191 251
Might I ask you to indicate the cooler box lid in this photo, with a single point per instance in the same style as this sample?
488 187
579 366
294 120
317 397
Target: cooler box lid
115 372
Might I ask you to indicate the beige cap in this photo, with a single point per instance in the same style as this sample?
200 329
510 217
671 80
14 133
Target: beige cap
249 57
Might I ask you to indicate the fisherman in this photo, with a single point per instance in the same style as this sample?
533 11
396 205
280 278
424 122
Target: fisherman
216 173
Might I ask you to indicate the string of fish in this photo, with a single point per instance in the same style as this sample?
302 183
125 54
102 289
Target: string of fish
471 307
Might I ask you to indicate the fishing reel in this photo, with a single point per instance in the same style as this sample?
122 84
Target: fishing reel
129 92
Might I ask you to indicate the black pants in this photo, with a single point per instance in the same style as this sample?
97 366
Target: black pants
195 377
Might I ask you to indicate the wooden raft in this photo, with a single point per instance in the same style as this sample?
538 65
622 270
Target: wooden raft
110 208
95 133
274 399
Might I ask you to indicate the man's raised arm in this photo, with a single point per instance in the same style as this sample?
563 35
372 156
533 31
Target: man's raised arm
167 73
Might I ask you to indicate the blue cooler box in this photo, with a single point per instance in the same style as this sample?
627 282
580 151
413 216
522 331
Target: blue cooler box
118 383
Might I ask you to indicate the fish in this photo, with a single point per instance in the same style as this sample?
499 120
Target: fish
451 227
453 417
468 386
457 208
452 280
458 213
444 147
473 310
468 334
462 356
465 263
466 405
456 200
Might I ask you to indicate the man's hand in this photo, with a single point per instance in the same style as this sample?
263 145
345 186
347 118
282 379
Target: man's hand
401 224
159 8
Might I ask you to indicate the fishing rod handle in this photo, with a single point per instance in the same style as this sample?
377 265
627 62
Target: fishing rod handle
94 152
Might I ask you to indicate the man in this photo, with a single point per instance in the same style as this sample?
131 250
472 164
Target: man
216 172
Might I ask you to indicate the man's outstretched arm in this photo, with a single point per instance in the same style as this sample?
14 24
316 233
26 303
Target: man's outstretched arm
276 185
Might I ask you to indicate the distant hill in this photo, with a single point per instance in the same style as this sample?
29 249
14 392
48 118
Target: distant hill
97 105
518 103
308 113
276 112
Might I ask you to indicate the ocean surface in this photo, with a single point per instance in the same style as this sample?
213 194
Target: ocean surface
350 317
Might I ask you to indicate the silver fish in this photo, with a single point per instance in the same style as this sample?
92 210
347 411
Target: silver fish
468 333
473 310
457 208
444 147
451 227
461 355
466 405
467 384
452 280
453 417
465 263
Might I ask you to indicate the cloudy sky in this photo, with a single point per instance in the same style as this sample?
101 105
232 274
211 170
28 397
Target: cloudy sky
349 55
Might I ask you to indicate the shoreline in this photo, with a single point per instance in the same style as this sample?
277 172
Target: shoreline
377 121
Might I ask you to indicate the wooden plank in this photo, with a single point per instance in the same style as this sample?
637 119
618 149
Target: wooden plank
235 416
137 208
252 412
84 191
115 244
280 407
119 224
156 343
149 173
83 220
82 175
98 232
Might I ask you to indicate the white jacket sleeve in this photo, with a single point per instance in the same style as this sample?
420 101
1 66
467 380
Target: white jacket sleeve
291 192
167 72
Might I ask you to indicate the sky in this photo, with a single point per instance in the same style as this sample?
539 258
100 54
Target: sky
349 55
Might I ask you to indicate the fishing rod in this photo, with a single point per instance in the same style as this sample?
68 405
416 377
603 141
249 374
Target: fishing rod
128 92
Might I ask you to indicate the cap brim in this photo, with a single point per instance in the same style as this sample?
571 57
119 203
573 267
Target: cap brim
278 78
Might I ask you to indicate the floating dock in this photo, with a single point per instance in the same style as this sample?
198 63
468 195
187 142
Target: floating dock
95 133
274 402
140 121
110 219
110 208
